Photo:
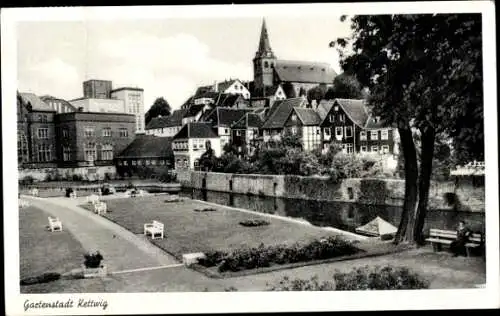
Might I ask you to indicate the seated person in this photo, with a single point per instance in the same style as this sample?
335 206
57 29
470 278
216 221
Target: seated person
463 234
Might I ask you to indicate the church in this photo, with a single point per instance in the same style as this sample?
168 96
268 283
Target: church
294 78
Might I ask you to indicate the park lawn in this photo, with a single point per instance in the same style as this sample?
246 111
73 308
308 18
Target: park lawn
187 231
42 251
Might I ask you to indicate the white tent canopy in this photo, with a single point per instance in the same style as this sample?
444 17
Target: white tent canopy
377 227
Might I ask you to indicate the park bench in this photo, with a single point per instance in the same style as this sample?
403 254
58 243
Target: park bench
100 207
73 195
438 237
55 224
155 228
34 192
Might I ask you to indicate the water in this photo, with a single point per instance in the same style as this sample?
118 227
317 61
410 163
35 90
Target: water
345 216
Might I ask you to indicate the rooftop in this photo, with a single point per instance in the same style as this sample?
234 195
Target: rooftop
148 146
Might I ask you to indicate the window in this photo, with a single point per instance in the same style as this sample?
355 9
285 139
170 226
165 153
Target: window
90 152
342 117
294 130
238 133
22 147
374 148
266 64
66 153
317 131
385 149
123 132
374 135
331 118
186 163
348 131
338 131
119 162
42 118
89 131
294 117
140 162
153 162
364 149
107 152
43 133
226 131
148 162
350 148
125 163
195 145
65 133
384 134
197 163
162 162
106 132
134 162
44 153
362 135
327 131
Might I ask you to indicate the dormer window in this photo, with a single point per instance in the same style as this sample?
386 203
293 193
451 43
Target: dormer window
294 117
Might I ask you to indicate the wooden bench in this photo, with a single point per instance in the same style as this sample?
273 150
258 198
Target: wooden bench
55 224
100 207
438 237
155 228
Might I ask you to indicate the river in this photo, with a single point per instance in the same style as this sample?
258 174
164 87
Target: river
341 215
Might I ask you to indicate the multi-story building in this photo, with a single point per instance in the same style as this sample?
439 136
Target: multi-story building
246 133
88 139
348 123
47 139
190 143
304 123
133 99
97 89
166 126
278 115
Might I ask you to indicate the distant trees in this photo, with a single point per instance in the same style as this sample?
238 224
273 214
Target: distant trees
289 90
159 107
345 86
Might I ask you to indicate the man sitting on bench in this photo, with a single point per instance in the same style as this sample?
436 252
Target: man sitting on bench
463 234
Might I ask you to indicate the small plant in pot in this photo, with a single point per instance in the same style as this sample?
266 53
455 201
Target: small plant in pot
93 260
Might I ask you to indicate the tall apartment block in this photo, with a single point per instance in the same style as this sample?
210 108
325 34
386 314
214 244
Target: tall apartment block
133 99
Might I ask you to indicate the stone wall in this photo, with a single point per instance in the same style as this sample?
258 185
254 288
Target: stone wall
363 191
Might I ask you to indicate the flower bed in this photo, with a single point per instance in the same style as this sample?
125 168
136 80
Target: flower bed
254 223
266 256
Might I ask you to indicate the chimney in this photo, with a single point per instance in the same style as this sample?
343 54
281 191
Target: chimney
216 86
314 104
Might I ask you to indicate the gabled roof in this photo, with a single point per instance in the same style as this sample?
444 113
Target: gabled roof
46 98
187 103
324 108
194 109
36 103
308 116
374 123
280 111
303 71
355 109
224 85
196 130
175 119
249 120
202 90
148 146
221 116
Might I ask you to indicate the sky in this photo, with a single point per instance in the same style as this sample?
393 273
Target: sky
166 57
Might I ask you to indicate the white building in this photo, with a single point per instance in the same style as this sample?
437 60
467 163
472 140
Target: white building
133 99
233 86
190 143
99 105
166 126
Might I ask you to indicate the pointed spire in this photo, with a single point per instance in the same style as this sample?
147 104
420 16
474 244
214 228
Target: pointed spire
264 46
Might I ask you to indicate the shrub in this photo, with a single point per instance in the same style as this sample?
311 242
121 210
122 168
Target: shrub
167 176
27 180
205 210
376 278
68 192
108 176
44 278
254 223
264 256
212 258
286 284
77 177
93 260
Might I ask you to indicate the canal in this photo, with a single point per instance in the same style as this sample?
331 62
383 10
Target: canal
341 215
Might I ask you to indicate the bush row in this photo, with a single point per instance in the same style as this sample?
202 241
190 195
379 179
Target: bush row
265 256
254 223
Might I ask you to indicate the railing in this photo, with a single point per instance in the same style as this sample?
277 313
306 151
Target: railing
472 168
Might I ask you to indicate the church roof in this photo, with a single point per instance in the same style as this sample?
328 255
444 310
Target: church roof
264 46
280 111
36 103
304 71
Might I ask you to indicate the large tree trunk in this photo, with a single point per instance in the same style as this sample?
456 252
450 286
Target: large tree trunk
405 229
424 182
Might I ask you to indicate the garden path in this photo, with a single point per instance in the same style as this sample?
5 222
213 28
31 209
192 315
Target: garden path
121 249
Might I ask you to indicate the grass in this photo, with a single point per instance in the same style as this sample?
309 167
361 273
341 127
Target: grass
187 231
43 251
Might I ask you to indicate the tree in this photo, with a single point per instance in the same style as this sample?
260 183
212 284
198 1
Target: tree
159 107
424 73
317 93
289 90
345 86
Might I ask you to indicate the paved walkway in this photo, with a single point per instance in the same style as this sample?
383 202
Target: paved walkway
121 249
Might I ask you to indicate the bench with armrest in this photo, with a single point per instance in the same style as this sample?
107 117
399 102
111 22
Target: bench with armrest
100 207
439 237
55 224
154 229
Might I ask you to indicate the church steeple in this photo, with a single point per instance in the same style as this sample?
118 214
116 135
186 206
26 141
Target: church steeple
264 46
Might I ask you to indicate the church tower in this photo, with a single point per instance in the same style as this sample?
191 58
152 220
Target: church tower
263 63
